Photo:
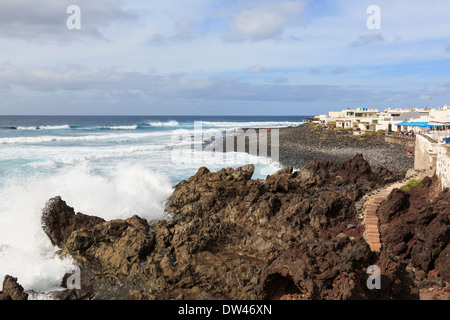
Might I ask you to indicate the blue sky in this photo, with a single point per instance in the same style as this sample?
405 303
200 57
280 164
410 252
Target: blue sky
228 57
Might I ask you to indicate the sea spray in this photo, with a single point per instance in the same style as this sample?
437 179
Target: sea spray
26 252
103 166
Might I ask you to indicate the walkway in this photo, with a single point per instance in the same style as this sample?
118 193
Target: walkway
368 206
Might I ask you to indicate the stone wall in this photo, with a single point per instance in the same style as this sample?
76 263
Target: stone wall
405 141
430 155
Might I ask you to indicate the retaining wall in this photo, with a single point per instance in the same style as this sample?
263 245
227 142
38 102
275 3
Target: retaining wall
406 141
432 155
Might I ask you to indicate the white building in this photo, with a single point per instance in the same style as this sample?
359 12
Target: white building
390 117
364 118
373 120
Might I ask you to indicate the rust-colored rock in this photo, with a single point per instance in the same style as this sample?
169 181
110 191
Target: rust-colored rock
232 237
415 227
12 290
59 221
316 271
114 248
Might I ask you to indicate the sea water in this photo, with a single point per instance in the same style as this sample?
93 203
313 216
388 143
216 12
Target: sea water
107 166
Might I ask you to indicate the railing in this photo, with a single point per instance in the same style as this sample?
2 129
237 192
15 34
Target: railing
410 135
439 136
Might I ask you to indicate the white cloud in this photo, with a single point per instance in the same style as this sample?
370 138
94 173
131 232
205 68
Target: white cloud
188 37
112 90
338 71
75 79
367 40
184 29
280 79
158 39
45 21
265 21
255 69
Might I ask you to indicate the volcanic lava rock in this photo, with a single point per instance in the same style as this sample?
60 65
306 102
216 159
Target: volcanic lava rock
316 270
286 205
232 237
12 290
415 227
113 248
59 221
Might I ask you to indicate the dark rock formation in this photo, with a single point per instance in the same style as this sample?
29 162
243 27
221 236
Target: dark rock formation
236 238
12 290
415 228
286 206
109 253
114 248
59 221
305 143
317 270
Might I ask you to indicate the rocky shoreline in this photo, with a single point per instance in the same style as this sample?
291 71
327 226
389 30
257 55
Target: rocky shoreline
293 235
307 142
298 145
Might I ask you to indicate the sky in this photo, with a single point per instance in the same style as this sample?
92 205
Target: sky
222 57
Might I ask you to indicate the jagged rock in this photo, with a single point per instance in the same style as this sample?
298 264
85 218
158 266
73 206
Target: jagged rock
282 205
12 290
442 263
232 237
59 221
396 203
137 295
4 296
114 248
315 169
415 227
316 271
109 253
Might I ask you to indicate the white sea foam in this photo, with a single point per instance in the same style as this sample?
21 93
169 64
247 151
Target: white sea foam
60 127
123 127
26 128
171 123
48 157
26 252
41 139
65 126
250 124
110 179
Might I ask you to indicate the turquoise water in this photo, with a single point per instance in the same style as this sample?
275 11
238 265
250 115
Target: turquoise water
112 167
33 145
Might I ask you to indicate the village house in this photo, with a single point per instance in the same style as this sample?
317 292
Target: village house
430 121
363 118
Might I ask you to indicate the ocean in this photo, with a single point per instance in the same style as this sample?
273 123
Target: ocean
108 166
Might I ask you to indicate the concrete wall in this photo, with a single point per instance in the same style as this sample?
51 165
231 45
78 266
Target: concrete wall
423 150
431 155
443 165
